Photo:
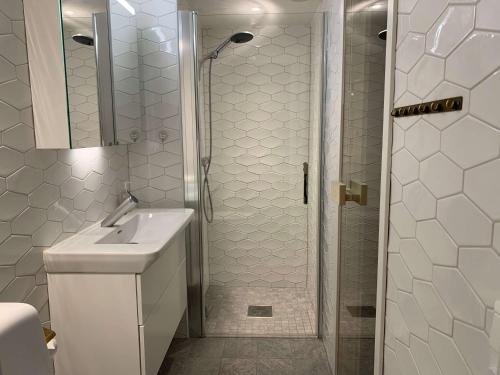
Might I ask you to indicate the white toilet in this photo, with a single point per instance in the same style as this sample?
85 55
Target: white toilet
22 343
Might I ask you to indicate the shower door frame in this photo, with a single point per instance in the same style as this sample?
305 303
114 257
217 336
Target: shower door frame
385 188
188 64
385 185
191 133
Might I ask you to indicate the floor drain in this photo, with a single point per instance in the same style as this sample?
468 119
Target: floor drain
260 311
362 311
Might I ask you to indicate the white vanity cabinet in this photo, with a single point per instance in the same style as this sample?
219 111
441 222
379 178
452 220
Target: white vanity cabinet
119 323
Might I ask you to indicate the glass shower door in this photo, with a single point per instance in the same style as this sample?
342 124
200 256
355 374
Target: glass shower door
364 64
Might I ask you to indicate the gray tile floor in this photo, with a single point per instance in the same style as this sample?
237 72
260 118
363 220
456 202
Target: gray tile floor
245 356
293 313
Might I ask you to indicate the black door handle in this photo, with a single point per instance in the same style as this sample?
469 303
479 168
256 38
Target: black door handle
306 182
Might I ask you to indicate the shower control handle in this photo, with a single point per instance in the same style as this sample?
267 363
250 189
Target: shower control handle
306 182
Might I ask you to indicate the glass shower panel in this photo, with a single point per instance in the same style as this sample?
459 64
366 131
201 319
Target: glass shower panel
361 164
258 240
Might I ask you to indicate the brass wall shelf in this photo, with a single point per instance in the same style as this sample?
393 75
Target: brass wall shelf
429 108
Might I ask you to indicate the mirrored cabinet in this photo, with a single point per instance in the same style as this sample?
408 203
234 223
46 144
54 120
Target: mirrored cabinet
80 97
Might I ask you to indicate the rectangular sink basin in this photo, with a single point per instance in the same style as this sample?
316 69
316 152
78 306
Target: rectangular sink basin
142 228
134 243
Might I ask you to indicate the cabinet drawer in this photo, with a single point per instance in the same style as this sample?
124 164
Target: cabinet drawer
157 333
152 283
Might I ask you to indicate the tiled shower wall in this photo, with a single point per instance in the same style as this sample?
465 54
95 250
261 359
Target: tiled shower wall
260 132
146 68
45 195
444 248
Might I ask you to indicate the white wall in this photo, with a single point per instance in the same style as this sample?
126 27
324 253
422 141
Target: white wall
45 195
444 248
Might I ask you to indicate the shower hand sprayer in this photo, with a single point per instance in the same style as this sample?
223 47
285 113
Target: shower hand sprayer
238 38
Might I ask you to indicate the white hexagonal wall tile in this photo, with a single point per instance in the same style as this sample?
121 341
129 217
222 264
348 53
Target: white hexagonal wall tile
461 67
402 221
438 245
446 353
481 184
405 359
11 161
28 221
12 204
485 17
481 141
465 222
419 201
458 296
423 356
399 272
416 259
425 76
412 314
404 167
441 176
474 346
396 324
483 104
481 267
410 51
432 306
421 19
449 30
422 140
13 249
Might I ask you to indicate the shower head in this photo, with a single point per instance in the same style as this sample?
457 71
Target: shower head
83 39
383 34
238 38
241 37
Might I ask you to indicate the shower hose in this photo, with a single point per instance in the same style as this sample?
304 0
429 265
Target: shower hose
208 207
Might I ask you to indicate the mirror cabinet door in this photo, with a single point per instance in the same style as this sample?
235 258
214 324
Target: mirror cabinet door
71 72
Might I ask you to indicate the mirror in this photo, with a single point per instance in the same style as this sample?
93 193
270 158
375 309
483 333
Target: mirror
88 72
80 98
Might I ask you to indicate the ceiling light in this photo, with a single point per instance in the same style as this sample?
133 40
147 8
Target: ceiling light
377 6
69 12
256 9
127 6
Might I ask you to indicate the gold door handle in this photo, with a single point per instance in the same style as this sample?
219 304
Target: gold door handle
355 193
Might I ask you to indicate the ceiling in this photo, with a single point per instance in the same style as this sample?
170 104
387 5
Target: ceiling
82 8
213 7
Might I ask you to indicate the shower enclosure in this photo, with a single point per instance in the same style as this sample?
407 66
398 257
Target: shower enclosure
258 125
280 255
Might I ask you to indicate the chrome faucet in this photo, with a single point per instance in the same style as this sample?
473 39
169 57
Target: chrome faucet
125 207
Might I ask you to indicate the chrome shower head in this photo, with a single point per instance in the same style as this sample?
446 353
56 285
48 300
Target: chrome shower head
383 34
241 37
237 38
83 39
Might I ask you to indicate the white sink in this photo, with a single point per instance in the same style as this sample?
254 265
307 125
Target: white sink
133 244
